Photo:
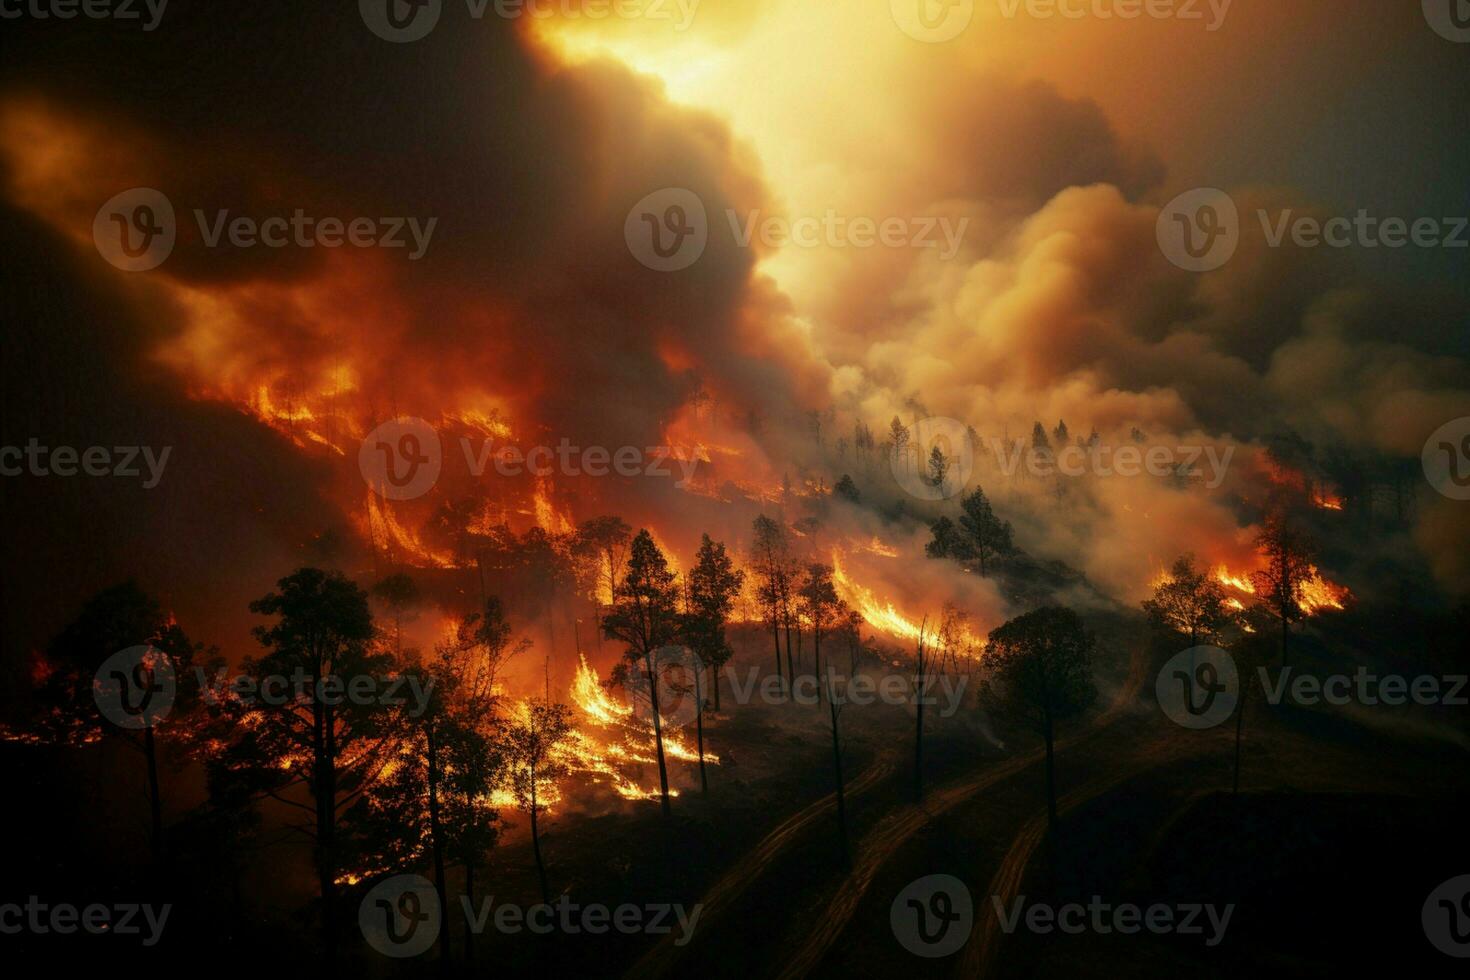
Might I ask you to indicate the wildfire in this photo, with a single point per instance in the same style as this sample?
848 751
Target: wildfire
1240 583
548 518
387 534
1325 500
1316 592
883 615
613 745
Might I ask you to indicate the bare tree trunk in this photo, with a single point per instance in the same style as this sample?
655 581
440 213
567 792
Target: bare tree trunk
1245 690
1051 778
155 801
837 769
469 892
536 844
699 732
436 845
324 791
658 736
776 636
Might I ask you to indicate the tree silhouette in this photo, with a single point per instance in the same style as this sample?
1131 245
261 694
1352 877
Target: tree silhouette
322 639
645 618
771 562
114 620
531 743
1190 602
1041 665
1288 568
823 609
980 536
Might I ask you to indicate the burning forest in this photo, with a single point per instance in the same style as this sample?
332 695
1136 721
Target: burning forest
740 488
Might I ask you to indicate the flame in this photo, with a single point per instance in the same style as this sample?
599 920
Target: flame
387 534
1240 583
1325 500
610 746
1317 594
883 615
548 518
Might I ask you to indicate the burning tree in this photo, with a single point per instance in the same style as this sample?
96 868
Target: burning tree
531 743
601 545
645 617
1042 676
1191 602
1282 583
113 621
432 798
311 737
